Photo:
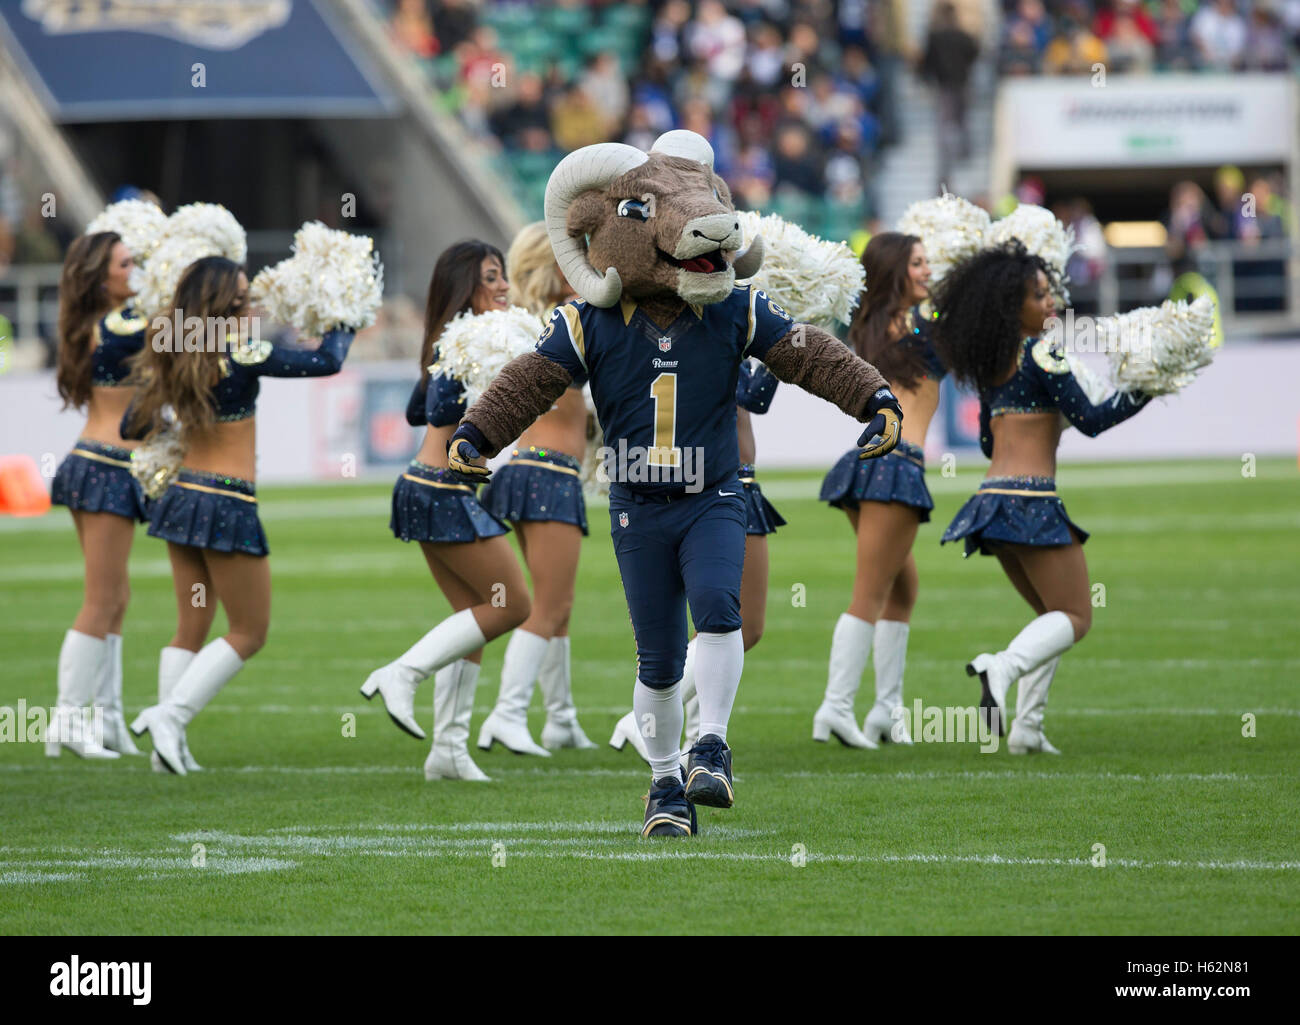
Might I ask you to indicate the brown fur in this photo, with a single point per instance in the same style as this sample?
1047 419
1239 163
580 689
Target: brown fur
820 363
525 389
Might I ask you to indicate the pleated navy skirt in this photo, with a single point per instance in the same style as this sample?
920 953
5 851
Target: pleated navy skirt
897 476
207 510
539 485
429 504
761 516
1014 510
95 477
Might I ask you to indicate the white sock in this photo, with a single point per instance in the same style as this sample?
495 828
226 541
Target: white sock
211 669
524 654
81 664
109 691
659 718
172 662
455 637
719 660
1046 637
688 672
890 658
850 648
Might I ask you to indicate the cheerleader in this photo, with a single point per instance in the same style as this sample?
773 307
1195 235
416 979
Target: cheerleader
885 499
755 389
97 332
208 515
992 310
539 492
463 544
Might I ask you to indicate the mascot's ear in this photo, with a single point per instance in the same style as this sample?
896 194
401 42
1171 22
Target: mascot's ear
724 193
586 213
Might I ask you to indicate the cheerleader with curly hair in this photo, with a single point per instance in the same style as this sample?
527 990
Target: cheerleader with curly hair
885 499
463 544
539 492
208 515
98 332
990 335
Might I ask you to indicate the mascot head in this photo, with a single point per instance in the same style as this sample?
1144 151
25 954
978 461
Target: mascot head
647 224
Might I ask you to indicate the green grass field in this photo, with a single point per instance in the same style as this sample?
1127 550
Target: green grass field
306 830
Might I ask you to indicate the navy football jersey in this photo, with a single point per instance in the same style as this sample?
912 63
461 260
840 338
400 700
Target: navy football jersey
665 396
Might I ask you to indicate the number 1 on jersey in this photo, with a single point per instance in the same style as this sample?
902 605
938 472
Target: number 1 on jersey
665 452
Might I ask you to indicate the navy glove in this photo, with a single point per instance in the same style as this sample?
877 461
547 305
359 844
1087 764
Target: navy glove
467 464
885 426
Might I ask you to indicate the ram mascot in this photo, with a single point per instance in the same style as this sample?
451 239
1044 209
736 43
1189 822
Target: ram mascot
651 242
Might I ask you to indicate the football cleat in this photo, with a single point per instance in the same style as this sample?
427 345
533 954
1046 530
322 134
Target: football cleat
708 773
668 812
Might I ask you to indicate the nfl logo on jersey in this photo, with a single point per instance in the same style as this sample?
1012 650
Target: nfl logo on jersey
622 519
665 344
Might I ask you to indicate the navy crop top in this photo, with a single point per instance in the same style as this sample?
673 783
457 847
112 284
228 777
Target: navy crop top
118 336
755 387
437 400
1042 383
921 340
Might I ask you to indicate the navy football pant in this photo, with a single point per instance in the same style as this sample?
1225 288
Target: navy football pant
690 551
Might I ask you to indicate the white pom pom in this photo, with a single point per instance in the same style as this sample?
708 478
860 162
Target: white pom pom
141 225
156 462
474 349
950 228
213 223
333 279
1041 233
815 281
1159 350
157 285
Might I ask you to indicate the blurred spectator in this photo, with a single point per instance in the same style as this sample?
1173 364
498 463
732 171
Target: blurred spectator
1088 260
766 63
1174 48
606 84
1219 34
525 124
1129 47
576 121
1186 229
667 31
1224 218
1109 18
1075 51
412 28
1265 41
845 174
453 22
795 165
718 39
949 55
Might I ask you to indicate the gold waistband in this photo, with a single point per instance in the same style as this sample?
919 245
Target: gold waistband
87 454
746 480
544 466
437 483
216 491
1017 491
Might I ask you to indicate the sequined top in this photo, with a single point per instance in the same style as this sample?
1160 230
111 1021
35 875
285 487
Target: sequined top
235 395
755 387
436 400
1043 382
921 340
118 336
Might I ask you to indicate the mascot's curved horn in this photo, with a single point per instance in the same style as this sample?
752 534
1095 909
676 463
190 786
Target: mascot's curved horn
693 146
591 167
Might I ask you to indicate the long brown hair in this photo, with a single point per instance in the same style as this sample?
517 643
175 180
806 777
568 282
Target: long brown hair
166 375
82 302
455 277
889 286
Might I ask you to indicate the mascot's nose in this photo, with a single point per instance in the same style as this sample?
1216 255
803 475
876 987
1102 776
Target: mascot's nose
707 233
735 226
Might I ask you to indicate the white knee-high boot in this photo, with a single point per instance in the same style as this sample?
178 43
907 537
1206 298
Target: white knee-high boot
211 669
172 663
889 651
109 696
1045 638
555 681
453 704
396 683
1027 736
850 646
507 723
81 666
